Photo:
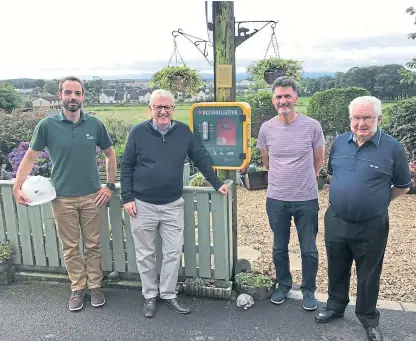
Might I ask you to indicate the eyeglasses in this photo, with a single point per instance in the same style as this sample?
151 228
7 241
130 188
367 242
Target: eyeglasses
366 119
168 108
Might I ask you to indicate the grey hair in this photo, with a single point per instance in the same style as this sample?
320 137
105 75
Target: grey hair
374 101
283 82
161 93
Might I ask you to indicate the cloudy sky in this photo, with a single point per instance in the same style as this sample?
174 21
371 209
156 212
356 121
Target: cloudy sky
47 39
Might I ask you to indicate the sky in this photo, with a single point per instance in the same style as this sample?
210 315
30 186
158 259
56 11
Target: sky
52 39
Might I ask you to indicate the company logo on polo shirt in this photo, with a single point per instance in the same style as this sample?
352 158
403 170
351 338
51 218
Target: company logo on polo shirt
373 166
89 137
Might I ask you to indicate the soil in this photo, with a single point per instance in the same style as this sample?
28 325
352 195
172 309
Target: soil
399 269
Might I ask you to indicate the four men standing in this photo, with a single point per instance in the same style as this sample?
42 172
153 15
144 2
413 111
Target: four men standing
368 168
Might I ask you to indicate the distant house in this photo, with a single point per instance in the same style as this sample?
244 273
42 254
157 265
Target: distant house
133 96
144 95
47 102
200 96
107 96
120 96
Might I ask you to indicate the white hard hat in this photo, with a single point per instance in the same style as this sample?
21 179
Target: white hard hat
39 190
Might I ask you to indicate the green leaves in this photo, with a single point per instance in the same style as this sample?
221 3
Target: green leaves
330 108
167 79
402 124
293 69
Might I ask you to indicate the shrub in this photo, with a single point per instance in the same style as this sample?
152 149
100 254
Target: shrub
330 108
118 130
43 163
16 127
262 109
255 154
254 280
402 124
6 250
199 181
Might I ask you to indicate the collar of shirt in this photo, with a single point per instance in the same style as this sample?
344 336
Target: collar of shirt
375 139
155 127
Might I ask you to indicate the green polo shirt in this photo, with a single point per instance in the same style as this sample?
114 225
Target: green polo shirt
72 149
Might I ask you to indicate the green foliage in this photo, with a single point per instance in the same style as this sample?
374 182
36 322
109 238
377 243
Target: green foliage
402 118
14 128
255 153
293 69
166 79
119 149
254 280
6 250
52 86
262 109
199 181
9 98
330 108
117 129
196 282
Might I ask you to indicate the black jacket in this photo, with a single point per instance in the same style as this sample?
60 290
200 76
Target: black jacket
152 164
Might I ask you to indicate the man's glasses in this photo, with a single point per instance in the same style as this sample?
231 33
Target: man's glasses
168 108
366 119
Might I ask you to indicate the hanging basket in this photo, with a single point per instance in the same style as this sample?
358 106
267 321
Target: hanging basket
271 74
178 83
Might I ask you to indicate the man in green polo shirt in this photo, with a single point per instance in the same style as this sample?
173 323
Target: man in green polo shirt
71 138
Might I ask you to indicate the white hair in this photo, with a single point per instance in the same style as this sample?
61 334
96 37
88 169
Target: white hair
161 93
374 101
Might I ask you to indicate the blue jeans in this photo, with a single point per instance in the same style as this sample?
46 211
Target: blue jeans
305 214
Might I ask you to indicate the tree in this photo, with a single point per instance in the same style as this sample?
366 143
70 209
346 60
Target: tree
51 87
9 98
408 76
293 69
330 108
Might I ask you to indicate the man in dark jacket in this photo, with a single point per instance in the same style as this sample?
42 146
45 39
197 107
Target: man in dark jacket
151 180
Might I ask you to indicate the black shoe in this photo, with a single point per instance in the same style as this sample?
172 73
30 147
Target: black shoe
327 315
177 306
149 308
374 334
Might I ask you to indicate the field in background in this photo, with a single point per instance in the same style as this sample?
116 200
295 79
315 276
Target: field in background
139 113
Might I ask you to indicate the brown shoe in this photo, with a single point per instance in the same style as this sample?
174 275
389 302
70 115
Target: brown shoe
97 297
76 301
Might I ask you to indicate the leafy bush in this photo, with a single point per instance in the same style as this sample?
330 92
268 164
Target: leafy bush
254 280
9 98
330 108
255 154
262 109
6 250
293 69
199 181
43 163
402 124
118 130
16 127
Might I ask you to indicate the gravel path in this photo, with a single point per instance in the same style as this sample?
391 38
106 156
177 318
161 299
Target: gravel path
399 270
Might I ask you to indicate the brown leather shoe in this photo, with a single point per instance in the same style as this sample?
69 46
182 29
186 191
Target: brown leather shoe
177 306
149 308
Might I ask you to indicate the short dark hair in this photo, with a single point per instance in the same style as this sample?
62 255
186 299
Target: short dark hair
283 82
70 78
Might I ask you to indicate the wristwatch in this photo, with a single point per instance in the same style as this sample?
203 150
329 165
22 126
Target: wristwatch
111 186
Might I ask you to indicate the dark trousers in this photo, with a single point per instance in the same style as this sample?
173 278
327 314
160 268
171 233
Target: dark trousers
305 214
365 243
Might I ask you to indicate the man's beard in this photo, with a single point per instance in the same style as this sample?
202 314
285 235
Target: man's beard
287 109
67 106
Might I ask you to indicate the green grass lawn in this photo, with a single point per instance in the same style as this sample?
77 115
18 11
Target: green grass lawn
136 114
139 113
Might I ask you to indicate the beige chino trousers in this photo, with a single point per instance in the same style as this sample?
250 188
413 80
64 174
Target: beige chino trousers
168 219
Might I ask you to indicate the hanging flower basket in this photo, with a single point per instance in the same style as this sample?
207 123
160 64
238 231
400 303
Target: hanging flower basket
177 79
271 74
178 83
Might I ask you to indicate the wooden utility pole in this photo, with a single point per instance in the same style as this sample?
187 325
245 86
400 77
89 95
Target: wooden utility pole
225 80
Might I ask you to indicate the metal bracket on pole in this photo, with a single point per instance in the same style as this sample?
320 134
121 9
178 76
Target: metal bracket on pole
243 33
196 42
